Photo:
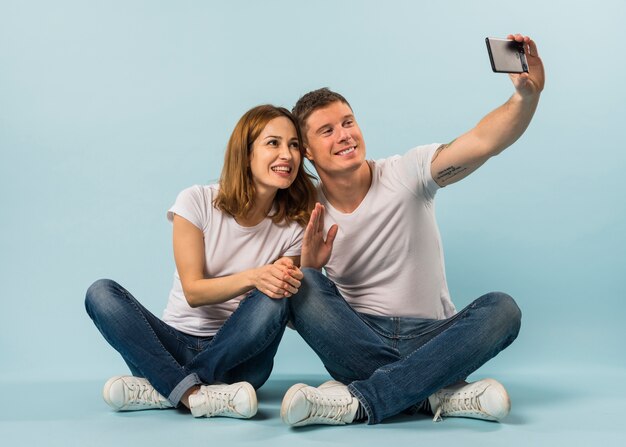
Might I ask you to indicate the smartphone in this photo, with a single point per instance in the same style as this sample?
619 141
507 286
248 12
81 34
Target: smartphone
506 56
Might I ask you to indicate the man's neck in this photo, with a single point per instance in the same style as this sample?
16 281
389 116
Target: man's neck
346 192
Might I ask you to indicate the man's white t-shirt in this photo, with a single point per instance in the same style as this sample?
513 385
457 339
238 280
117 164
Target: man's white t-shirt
229 248
387 258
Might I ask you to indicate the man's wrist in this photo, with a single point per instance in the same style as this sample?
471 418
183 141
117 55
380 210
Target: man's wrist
530 99
310 265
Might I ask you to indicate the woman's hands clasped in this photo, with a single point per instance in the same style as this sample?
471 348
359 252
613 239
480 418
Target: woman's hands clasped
278 280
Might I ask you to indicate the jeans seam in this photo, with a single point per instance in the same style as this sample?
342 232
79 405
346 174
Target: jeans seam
330 354
395 335
131 299
459 316
450 320
480 353
216 335
271 334
373 328
175 333
317 342
382 370
454 320
260 347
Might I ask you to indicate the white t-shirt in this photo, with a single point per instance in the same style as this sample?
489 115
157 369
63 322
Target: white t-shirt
229 248
387 258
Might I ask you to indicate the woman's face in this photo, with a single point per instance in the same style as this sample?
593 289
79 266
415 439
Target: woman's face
275 156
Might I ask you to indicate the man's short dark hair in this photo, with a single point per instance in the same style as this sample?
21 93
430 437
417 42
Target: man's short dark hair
312 101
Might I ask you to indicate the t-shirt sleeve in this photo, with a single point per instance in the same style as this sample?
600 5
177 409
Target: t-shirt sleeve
295 248
193 204
413 170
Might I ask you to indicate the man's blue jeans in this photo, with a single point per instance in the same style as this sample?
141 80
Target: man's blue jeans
172 361
393 363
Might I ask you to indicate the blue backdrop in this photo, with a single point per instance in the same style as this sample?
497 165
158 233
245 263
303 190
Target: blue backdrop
109 109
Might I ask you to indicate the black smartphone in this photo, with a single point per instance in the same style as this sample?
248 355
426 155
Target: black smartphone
506 56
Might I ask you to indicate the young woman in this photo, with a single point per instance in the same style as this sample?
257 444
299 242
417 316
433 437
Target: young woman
236 247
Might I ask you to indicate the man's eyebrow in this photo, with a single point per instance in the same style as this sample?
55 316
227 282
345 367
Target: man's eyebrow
319 129
343 118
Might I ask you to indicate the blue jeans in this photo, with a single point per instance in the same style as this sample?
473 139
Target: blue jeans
393 363
172 361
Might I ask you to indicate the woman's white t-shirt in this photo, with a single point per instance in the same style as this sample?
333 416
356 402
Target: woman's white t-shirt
229 248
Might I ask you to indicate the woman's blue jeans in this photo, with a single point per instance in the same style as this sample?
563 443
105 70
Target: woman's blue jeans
172 361
393 363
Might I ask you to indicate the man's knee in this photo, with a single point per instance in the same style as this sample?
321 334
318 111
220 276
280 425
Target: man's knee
506 313
313 279
314 287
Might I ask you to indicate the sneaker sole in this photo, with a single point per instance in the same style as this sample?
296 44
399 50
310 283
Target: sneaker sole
289 395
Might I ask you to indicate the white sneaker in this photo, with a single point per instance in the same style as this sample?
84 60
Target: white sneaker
486 399
330 404
128 393
233 401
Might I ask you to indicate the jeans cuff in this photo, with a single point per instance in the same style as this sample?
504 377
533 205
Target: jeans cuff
180 389
368 410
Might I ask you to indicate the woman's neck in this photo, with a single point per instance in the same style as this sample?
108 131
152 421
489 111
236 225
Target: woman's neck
260 209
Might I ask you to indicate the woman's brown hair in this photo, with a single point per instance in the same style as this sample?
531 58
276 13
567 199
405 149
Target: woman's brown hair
236 194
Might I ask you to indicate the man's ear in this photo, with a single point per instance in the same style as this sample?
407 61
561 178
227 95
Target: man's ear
307 153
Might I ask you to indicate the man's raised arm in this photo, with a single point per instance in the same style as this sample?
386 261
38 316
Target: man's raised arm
496 131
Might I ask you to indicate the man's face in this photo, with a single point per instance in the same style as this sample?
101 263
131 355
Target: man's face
334 140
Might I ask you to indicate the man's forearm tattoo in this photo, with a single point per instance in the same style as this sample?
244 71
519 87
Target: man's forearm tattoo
450 172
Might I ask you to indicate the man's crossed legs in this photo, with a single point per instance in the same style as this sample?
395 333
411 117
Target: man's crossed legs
392 364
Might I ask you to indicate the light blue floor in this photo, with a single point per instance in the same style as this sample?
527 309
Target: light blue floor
574 408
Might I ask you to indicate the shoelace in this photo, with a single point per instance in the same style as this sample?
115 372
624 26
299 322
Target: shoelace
452 404
218 402
142 393
328 409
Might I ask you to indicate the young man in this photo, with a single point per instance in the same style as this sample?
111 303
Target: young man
385 327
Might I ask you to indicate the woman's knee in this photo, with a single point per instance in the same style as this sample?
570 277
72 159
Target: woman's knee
101 296
265 310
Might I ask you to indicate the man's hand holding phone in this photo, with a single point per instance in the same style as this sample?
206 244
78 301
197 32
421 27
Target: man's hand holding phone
517 55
